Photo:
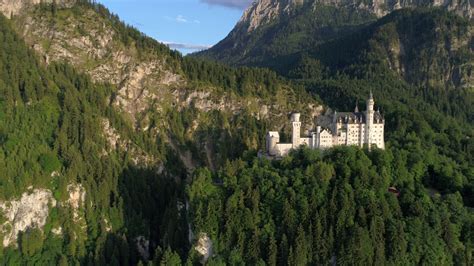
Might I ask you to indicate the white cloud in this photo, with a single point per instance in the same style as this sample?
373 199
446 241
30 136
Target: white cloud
187 46
182 19
240 4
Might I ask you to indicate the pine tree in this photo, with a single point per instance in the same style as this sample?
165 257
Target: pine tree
272 251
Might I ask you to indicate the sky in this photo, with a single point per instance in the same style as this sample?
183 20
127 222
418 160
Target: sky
185 25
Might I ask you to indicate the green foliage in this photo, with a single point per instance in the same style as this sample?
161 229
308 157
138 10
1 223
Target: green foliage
31 241
170 258
49 162
243 81
284 212
51 121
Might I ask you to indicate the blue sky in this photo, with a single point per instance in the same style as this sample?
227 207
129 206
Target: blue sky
186 25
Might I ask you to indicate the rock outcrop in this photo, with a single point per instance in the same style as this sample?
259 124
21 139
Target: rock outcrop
30 211
77 197
13 7
265 11
143 247
204 247
92 45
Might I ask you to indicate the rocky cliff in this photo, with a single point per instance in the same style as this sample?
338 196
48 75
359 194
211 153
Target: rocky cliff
13 7
265 11
30 211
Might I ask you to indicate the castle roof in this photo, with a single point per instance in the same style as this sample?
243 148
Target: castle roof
356 117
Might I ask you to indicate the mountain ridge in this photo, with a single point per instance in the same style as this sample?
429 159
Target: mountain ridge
264 11
305 27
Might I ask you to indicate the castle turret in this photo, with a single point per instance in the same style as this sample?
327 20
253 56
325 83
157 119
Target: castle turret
296 130
273 138
369 119
317 138
370 102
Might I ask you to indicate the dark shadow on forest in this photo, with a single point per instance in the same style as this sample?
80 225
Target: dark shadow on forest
154 209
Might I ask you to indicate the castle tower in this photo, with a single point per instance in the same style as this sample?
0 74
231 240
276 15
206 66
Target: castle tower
273 138
317 138
370 119
296 130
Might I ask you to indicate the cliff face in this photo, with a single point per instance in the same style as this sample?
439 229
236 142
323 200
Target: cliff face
265 11
13 7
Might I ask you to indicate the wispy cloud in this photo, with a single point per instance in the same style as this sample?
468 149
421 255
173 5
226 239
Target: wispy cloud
240 4
187 46
182 19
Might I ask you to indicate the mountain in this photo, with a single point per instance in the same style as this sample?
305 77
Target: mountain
284 27
418 63
264 12
151 80
272 33
116 150
430 48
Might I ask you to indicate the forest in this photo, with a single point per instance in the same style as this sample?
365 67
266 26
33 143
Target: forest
320 208
310 208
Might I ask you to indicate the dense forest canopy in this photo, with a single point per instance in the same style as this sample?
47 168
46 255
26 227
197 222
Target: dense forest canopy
330 207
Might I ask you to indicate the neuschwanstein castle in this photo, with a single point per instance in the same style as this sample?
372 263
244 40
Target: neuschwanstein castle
348 128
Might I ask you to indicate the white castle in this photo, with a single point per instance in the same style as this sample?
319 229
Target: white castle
348 128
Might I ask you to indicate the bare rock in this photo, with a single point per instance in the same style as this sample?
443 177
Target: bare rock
204 247
13 7
77 197
30 211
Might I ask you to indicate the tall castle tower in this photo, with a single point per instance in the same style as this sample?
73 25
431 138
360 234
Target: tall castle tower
370 119
296 130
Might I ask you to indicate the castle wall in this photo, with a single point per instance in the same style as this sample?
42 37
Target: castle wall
377 135
353 134
283 149
325 140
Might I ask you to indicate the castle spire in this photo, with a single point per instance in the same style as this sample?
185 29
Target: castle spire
357 107
371 97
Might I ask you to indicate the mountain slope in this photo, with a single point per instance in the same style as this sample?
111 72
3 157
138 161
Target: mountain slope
291 26
428 48
284 31
60 174
151 80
